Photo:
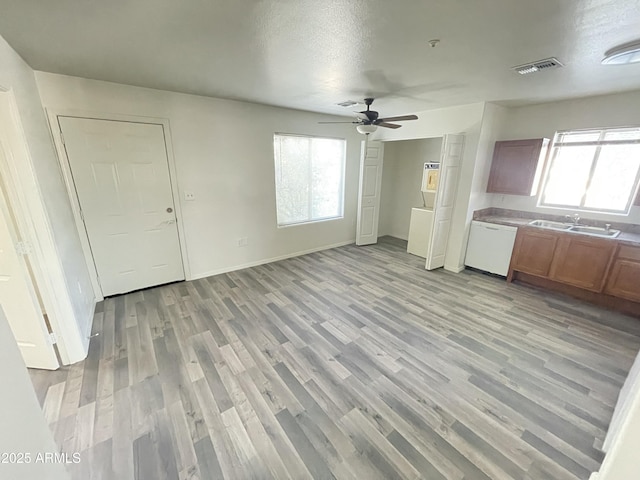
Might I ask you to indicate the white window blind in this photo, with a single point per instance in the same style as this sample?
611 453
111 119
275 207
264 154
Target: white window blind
593 170
309 178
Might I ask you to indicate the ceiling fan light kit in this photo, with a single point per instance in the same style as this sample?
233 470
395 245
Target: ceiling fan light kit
368 120
623 54
366 129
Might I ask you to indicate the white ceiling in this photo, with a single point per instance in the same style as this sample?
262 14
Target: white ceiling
312 54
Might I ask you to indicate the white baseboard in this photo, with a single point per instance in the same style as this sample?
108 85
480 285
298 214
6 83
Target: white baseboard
456 269
233 268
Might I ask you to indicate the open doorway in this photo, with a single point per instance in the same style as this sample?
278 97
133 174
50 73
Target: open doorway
401 181
421 186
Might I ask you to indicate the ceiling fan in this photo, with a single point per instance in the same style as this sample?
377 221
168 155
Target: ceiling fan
368 120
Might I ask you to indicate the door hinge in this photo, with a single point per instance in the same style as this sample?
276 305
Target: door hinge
53 338
24 248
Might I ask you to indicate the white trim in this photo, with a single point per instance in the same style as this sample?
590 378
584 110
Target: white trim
320 220
457 269
270 260
34 224
63 160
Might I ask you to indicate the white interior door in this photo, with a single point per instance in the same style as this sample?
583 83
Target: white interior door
121 175
371 158
450 164
19 299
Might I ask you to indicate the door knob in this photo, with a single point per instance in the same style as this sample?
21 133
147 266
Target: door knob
169 210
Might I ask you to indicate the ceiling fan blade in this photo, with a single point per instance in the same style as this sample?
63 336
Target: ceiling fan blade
388 125
338 122
399 119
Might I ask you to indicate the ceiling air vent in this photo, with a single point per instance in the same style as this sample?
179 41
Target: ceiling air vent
546 64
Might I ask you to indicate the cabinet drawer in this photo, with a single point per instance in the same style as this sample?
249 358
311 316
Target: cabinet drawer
629 253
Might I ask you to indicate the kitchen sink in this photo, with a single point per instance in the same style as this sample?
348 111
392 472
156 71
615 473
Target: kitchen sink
582 229
550 224
597 231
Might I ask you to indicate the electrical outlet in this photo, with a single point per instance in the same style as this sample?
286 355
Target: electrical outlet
189 196
243 241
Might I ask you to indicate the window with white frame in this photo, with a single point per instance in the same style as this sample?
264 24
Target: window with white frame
309 178
593 170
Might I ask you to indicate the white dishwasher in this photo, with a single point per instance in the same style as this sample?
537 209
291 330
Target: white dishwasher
490 247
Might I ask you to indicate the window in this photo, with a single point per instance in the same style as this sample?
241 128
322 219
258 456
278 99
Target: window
594 170
309 178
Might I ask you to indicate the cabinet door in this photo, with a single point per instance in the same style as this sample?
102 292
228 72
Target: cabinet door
517 166
533 251
582 261
624 279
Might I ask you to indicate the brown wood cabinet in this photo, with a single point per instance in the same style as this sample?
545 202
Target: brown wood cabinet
517 166
597 270
533 251
624 279
582 261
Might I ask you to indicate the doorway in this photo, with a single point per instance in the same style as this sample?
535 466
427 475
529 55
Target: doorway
408 213
121 179
401 179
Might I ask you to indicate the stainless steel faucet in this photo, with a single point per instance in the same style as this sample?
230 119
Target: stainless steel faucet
575 218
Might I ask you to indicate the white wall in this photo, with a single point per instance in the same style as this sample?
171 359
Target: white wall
22 424
545 119
493 123
401 176
465 119
224 155
64 264
493 117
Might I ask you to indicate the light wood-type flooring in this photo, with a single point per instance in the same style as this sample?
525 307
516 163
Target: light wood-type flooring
351 363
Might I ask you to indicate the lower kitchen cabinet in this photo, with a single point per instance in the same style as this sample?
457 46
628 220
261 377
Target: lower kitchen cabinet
533 251
598 270
582 261
624 279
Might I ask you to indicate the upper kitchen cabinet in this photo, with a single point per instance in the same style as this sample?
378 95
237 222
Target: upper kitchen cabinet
517 166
